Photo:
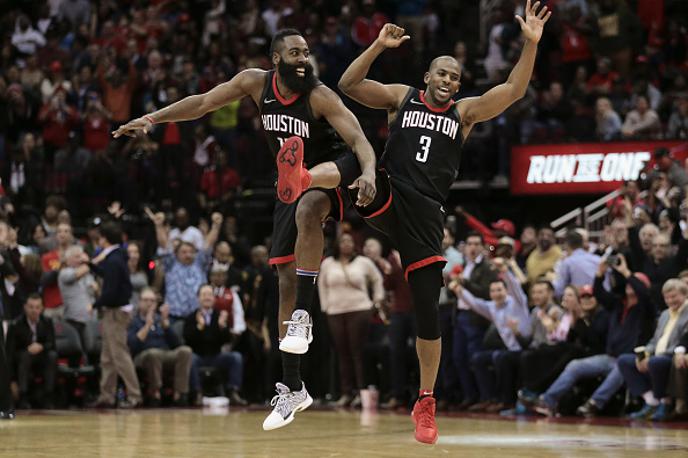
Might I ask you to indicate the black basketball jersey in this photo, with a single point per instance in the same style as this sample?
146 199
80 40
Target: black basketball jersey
424 146
283 118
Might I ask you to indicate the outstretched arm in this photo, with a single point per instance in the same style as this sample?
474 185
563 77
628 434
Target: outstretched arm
195 106
368 92
499 98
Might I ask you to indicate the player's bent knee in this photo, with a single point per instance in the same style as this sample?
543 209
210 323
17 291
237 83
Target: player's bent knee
312 209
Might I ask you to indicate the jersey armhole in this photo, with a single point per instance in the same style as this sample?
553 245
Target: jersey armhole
266 89
409 94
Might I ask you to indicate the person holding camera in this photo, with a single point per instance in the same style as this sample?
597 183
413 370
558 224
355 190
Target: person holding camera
647 372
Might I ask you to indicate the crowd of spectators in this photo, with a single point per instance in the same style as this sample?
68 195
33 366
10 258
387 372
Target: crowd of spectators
524 320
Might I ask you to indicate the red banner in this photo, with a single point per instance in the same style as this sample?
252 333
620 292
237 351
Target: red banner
583 168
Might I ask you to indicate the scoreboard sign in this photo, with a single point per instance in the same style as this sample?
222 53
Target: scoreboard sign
583 168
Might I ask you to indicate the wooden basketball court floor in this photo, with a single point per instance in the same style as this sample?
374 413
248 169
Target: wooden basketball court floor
203 433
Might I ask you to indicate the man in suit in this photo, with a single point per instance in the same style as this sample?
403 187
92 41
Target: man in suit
6 411
647 372
206 331
116 312
31 342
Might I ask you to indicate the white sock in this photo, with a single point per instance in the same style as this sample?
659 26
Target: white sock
650 399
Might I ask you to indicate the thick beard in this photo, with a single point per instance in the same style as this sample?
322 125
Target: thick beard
296 83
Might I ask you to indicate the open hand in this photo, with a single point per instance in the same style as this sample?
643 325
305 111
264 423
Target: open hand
534 22
391 36
133 127
366 189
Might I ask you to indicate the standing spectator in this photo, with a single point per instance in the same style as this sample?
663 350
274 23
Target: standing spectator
543 258
601 82
58 119
675 173
31 343
25 38
469 328
642 122
349 286
6 410
76 12
367 25
22 175
118 83
647 372
154 346
78 289
206 331
137 275
616 33
115 307
608 121
50 262
578 268
223 256
183 230
507 309
185 268
227 299
219 183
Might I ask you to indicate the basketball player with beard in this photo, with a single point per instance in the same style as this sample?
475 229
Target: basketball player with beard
421 159
306 124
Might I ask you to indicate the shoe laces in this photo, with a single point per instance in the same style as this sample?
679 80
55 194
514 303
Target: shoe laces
285 400
300 324
425 414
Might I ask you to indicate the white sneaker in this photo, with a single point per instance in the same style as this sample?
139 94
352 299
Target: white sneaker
299 333
286 404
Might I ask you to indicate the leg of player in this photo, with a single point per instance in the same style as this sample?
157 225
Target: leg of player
291 395
293 179
312 210
425 284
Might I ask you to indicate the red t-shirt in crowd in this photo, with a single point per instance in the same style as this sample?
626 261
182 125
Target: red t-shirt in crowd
52 298
365 30
96 133
57 124
224 300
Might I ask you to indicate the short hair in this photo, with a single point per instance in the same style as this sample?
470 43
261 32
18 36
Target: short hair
475 234
574 239
148 289
182 243
73 250
34 297
544 281
674 284
112 232
278 38
683 273
499 280
200 288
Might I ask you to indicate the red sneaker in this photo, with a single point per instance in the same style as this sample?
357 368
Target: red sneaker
424 418
292 178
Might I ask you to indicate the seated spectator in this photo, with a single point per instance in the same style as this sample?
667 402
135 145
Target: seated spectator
678 121
206 331
578 268
641 123
31 345
507 309
678 384
226 298
662 265
78 288
154 346
601 81
647 372
137 275
343 285
223 256
608 121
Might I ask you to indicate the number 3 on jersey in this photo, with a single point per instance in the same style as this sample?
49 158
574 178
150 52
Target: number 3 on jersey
425 141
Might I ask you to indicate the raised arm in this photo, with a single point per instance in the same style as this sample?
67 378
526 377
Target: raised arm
368 92
499 98
194 106
327 103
